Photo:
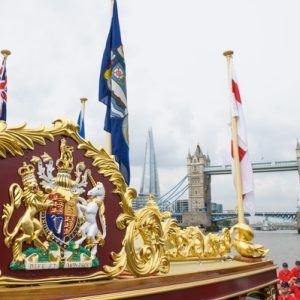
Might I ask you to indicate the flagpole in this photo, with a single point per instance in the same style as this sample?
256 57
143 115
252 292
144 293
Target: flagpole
111 7
108 134
83 102
5 53
235 146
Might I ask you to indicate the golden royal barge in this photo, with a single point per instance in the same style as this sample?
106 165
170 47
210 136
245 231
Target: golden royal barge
68 231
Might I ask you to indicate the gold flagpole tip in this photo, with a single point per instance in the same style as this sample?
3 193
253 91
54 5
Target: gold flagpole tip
5 52
228 53
83 100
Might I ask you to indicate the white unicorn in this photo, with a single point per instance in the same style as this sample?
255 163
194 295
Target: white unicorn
88 211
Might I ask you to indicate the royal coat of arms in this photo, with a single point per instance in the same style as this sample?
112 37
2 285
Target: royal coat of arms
66 214
63 229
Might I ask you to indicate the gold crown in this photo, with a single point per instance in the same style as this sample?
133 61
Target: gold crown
26 171
65 163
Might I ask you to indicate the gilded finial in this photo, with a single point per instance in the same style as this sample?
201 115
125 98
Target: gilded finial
83 100
5 53
65 163
228 53
26 172
151 201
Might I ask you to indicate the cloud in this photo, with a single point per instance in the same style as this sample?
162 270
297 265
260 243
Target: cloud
176 77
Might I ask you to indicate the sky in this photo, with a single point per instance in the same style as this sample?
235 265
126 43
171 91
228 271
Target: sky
176 79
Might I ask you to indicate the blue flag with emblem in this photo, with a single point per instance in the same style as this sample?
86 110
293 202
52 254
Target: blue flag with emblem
112 92
80 122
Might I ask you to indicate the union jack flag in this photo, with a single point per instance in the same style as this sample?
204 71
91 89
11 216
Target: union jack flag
3 90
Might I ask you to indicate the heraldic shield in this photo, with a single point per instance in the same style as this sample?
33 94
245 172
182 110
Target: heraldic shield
60 199
60 220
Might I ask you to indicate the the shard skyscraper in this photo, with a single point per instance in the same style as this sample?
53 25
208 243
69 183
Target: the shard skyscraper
149 183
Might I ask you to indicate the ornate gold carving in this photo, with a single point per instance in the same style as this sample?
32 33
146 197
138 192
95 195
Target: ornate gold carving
147 224
151 239
16 140
62 196
270 292
217 245
143 252
29 228
190 242
65 163
266 293
243 242
185 243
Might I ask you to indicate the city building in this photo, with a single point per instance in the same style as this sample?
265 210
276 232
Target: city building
180 206
216 208
149 182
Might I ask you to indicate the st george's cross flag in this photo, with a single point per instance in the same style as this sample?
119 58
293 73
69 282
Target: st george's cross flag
245 162
3 90
112 92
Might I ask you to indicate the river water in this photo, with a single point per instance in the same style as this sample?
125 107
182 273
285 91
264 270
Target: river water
284 245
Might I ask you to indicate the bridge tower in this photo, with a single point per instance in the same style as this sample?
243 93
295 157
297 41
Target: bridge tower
199 190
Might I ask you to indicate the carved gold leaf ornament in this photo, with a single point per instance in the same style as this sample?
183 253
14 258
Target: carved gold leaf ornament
191 243
16 140
143 250
149 257
151 239
148 223
243 242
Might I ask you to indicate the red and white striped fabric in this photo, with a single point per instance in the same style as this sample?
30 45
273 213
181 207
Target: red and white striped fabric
245 163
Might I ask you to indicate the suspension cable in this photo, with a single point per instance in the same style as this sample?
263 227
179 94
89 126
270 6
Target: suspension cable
174 187
173 191
174 198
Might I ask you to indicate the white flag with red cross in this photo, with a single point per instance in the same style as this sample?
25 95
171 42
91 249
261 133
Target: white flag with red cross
245 162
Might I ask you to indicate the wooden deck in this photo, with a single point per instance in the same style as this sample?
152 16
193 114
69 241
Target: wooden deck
210 279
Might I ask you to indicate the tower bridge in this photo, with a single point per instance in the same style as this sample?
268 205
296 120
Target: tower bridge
261 167
195 187
197 208
286 216
217 217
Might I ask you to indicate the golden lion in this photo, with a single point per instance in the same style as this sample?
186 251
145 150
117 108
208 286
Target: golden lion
28 228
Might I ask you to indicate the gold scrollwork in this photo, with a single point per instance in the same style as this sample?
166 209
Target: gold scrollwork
243 242
146 225
144 250
270 292
266 293
192 243
152 238
16 140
